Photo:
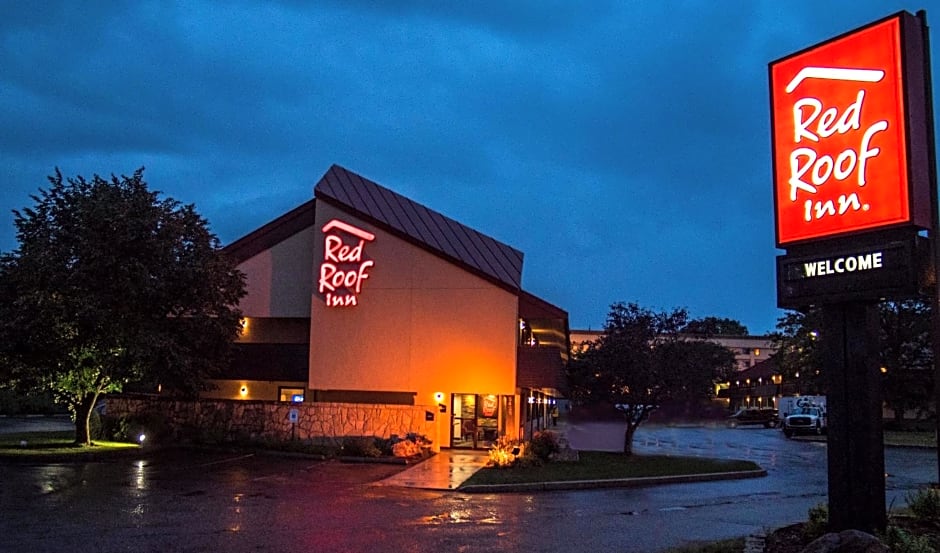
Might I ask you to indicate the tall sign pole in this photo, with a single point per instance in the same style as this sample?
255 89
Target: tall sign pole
854 197
935 212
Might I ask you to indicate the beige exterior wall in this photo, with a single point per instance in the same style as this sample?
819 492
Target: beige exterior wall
421 325
278 279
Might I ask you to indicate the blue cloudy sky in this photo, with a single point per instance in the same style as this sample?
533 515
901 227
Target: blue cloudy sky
623 146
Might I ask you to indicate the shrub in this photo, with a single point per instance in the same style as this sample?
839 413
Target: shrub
128 428
505 452
900 541
420 439
924 504
544 444
818 522
406 448
360 446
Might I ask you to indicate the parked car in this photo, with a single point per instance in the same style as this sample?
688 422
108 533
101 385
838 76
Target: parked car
753 415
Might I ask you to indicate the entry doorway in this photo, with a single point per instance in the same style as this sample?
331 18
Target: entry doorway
475 420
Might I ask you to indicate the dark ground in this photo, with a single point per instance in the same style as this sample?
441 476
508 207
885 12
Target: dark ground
793 538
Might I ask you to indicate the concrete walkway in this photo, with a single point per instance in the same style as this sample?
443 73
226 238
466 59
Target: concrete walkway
445 471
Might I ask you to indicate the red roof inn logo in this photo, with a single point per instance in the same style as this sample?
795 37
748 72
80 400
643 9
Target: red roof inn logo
343 268
839 138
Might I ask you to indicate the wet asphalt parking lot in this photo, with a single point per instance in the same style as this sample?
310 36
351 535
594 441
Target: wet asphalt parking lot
201 501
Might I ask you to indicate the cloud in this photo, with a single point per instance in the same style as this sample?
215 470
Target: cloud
623 139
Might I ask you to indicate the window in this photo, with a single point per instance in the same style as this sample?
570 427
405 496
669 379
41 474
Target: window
292 395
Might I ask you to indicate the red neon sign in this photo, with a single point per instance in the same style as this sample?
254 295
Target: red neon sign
840 136
343 268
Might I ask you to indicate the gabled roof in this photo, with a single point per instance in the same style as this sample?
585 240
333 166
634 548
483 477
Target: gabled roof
425 227
532 306
272 233
762 369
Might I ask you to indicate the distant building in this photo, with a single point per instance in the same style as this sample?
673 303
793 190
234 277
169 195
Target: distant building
753 385
748 350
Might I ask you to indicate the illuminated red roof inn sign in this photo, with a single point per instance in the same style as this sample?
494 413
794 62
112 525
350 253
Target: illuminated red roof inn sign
849 137
344 268
851 166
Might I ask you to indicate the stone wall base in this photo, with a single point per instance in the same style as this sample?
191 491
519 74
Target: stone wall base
221 420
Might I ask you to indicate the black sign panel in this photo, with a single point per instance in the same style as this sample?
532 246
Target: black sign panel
893 270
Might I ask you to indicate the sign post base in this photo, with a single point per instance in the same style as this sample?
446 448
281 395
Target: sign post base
856 435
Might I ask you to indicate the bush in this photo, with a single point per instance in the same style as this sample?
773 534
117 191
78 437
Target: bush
544 444
361 446
411 445
406 448
129 428
925 504
900 541
818 522
505 452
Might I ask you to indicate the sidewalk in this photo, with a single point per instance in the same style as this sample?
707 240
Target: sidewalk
445 471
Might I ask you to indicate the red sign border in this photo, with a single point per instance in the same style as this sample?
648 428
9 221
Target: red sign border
916 110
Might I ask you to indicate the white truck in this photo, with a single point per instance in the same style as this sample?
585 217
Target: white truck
802 414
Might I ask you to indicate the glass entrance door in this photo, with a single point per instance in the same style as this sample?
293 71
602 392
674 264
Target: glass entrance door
464 420
475 420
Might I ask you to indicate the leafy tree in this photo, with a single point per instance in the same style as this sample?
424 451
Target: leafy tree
906 355
905 352
798 356
110 285
715 326
643 360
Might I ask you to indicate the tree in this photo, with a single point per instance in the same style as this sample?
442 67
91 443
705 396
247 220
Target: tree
798 357
715 326
906 355
643 360
110 285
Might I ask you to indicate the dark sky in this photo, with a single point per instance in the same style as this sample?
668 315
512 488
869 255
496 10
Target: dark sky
623 146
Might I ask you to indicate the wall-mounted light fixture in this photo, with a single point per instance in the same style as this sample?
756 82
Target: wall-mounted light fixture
243 391
438 396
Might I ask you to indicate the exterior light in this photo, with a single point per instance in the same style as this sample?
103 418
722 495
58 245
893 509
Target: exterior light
438 396
884 370
243 391
757 352
141 438
531 399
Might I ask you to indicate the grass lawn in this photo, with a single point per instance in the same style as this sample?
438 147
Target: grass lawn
910 438
734 545
598 465
55 444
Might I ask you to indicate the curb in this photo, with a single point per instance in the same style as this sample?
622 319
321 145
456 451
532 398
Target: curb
611 483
